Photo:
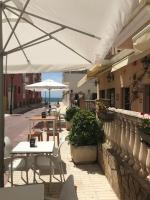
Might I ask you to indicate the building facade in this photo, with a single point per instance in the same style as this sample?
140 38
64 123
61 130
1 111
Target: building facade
15 94
72 78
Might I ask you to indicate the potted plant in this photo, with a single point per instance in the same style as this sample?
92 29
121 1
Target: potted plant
70 112
144 131
103 113
85 134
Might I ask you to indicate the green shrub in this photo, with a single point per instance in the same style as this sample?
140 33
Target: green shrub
86 129
70 112
145 126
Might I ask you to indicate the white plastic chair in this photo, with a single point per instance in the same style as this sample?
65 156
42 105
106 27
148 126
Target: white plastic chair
25 192
51 162
68 191
19 163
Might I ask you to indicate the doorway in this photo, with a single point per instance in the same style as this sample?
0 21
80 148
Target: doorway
146 108
126 98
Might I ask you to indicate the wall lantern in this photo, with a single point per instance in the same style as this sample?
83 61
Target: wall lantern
146 62
110 77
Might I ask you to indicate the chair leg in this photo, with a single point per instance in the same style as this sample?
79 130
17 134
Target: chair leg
58 138
62 171
47 137
27 176
60 174
28 137
41 137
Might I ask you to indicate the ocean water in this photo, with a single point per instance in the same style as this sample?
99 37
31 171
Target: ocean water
52 100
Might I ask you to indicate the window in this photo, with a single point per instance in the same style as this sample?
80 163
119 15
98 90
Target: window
126 98
111 97
18 89
102 94
146 108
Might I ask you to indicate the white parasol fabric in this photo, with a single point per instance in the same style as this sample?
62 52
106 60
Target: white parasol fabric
50 85
53 35
46 84
76 33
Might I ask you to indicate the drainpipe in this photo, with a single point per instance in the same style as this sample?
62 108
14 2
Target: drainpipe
11 94
1 103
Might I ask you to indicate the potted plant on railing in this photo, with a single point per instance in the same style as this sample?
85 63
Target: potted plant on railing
85 134
103 113
70 112
144 130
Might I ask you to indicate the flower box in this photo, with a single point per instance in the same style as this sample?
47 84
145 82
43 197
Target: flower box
107 116
145 138
144 131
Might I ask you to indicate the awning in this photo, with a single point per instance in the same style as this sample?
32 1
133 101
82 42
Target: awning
139 18
96 69
129 59
83 81
141 41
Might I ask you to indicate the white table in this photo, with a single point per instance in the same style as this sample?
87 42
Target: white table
24 148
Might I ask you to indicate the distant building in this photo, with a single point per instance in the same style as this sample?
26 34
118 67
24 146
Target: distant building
72 79
15 94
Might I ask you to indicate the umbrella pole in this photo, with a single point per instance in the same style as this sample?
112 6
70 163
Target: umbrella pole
45 98
49 97
1 103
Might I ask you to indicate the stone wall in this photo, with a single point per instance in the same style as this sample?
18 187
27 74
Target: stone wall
124 180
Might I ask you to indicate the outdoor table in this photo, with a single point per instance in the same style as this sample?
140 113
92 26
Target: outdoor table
50 118
41 147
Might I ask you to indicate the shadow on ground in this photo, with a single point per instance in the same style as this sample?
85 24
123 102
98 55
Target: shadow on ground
90 168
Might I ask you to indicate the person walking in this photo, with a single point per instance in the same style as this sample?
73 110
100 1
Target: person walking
71 98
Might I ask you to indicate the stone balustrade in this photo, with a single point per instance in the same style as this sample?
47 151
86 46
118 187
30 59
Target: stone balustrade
124 138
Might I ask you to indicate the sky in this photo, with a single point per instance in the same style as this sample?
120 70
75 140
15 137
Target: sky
56 76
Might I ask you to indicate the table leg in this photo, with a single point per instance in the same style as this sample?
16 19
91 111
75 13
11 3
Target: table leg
11 170
50 170
34 178
54 130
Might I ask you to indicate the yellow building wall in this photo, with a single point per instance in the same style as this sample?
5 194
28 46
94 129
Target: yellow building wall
124 78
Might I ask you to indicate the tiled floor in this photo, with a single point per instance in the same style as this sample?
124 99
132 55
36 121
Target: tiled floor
90 182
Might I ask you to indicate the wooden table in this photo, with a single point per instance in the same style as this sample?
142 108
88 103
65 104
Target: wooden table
49 118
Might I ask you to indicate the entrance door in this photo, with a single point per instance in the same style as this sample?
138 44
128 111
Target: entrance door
111 97
126 98
146 99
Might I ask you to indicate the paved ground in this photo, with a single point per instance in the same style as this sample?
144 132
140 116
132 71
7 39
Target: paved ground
90 181
17 125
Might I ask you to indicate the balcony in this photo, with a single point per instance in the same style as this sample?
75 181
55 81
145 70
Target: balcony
125 157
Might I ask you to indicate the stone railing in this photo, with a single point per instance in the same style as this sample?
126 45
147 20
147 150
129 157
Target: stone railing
123 136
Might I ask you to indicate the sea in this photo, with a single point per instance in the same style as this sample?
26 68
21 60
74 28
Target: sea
52 100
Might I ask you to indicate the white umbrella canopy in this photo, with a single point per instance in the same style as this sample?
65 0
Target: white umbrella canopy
75 32
46 85
52 35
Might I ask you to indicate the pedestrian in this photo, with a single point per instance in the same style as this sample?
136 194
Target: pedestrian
76 99
71 98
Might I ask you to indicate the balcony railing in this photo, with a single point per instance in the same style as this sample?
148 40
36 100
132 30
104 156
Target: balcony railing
90 105
123 135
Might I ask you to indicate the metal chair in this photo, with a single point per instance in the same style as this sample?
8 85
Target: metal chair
68 191
30 192
50 128
19 163
51 162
